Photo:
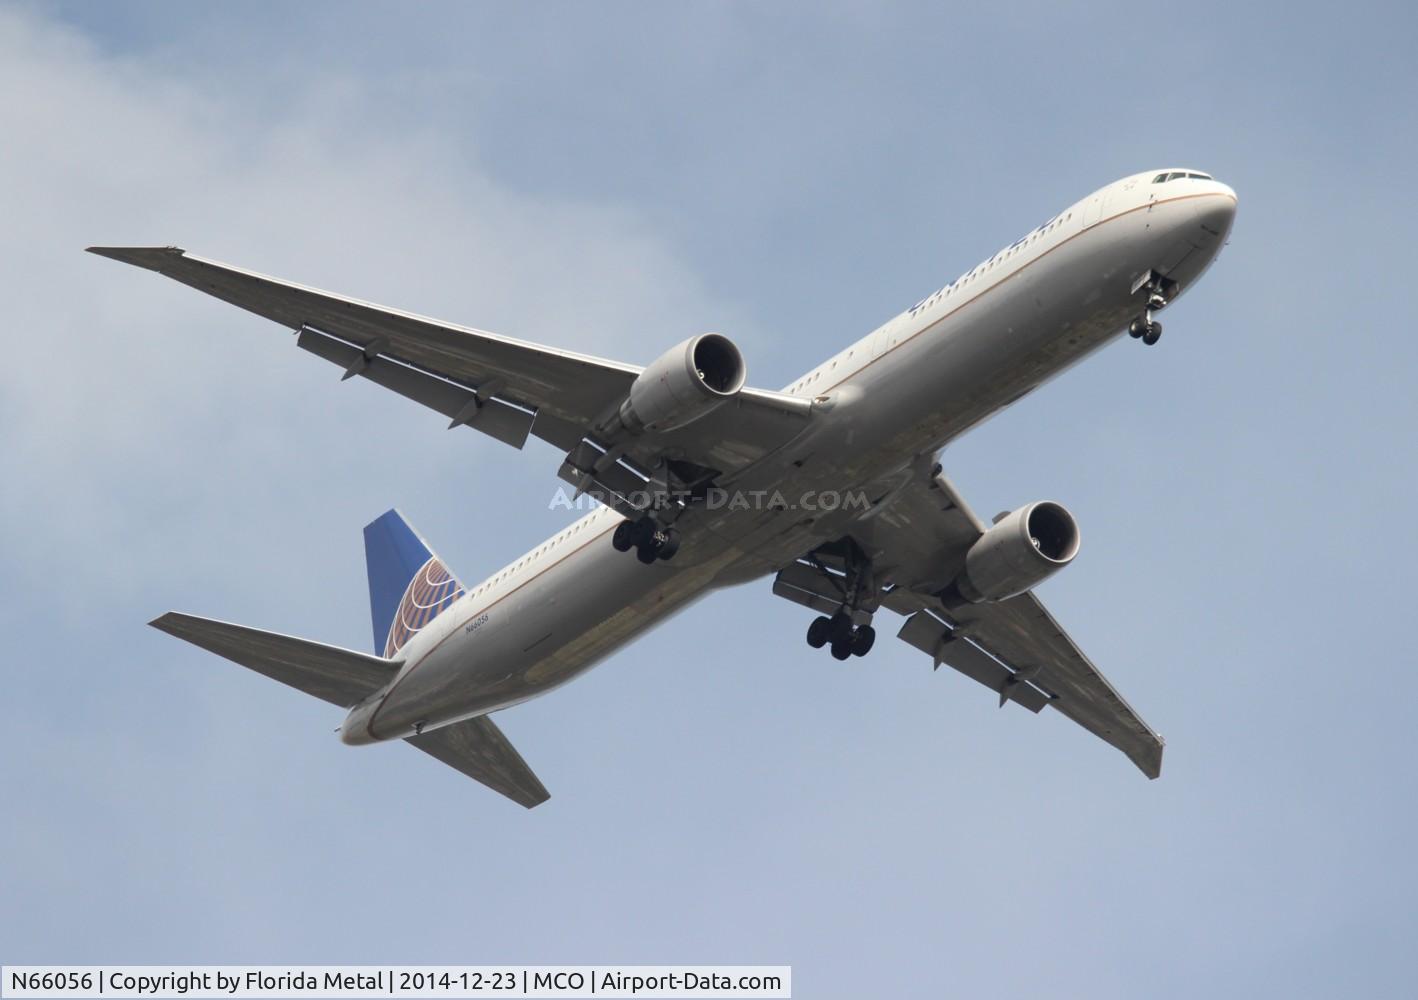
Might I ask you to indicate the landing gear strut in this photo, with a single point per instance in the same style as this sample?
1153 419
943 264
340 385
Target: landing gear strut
649 540
840 632
1145 328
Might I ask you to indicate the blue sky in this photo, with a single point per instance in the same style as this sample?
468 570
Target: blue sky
613 179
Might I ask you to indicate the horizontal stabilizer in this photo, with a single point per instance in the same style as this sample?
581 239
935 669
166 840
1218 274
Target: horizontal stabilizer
478 749
340 676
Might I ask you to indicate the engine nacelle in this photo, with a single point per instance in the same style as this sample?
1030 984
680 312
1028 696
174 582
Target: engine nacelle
683 384
1020 552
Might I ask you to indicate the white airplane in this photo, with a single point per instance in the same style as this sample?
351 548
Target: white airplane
832 484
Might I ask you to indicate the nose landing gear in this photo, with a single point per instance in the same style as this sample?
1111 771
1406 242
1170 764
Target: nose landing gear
649 540
1146 329
1159 293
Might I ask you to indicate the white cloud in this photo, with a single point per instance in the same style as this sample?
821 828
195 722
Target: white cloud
123 393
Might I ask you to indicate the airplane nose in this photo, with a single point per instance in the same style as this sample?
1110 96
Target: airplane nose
1214 213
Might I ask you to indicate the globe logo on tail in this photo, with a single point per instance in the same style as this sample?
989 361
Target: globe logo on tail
431 590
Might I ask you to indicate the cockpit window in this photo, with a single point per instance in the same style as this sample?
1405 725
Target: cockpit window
1177 174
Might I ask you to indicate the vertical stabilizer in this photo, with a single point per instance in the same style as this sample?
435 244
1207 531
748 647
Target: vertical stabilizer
408 585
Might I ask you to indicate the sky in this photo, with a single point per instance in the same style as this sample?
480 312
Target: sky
612 179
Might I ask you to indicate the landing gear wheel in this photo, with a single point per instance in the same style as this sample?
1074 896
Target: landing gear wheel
649 541
1137 327
1152 334
863 640
669 546
839 627
817 632
841 649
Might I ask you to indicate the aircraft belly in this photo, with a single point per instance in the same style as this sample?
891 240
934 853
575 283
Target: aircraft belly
995 349
546 633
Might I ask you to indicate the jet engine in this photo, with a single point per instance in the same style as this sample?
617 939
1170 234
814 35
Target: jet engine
685 383
1020 552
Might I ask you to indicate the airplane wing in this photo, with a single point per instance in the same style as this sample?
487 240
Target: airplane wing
1033 654
504 387
918 537
477 748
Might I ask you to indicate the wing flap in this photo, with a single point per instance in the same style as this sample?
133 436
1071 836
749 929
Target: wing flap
574 387
569 393
477 748
340 676
807 598
460 404
928 634
814 588
811 587
1023 634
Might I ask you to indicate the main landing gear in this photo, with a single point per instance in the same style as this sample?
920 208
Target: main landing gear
840 632
1145 328
844 638
647 538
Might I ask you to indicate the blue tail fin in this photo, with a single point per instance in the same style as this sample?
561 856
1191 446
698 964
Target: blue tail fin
408 584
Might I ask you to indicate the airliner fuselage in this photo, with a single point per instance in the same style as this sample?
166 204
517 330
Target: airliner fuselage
904 391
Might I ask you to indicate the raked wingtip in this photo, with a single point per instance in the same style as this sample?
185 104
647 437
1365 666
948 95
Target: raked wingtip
152 258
